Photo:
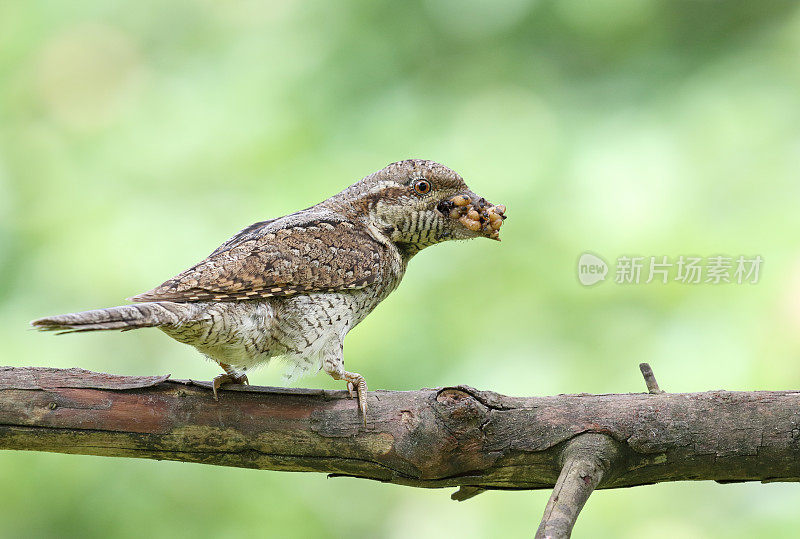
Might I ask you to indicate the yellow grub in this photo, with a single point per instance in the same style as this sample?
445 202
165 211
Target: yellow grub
470 223
487 221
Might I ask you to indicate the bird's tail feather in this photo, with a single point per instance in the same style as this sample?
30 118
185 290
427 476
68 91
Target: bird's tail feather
124 317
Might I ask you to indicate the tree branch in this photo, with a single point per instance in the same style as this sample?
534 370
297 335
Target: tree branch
447 437
649 378
586 459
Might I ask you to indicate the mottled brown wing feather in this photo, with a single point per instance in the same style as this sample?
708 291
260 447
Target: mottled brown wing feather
308 258
249 233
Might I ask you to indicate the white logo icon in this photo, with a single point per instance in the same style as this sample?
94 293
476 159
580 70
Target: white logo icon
591 269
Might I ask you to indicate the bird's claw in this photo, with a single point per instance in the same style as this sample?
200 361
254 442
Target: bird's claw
357 388
227 379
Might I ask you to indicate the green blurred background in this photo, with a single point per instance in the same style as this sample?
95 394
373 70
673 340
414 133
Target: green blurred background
137 136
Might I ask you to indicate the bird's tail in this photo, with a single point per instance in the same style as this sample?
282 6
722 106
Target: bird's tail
125 317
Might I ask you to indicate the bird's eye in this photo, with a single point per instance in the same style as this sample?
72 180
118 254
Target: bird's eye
423 187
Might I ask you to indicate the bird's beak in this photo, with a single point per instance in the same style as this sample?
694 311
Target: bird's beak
475 213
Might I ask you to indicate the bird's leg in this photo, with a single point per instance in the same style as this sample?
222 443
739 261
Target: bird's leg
230 377
356 385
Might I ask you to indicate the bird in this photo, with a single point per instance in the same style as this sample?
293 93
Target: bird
292 287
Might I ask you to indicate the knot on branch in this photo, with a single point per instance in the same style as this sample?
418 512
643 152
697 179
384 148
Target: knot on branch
459 411
445 439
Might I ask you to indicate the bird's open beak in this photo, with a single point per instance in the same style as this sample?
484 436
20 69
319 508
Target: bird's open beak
476 214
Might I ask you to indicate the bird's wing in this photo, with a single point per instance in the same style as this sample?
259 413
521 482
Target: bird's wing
251 232
311 257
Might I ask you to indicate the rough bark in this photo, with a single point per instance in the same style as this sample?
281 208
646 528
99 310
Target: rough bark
445 437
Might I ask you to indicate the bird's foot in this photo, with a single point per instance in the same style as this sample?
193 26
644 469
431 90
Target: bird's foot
357 387
228 378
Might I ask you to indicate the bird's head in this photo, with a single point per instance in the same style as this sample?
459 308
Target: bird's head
417 203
